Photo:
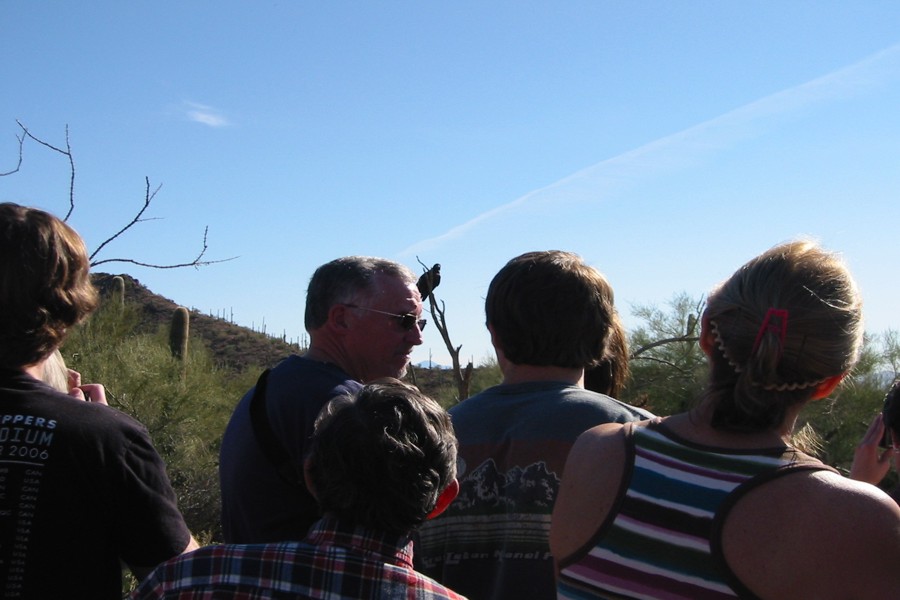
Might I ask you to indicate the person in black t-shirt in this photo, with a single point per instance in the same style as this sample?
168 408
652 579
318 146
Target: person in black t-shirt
81 487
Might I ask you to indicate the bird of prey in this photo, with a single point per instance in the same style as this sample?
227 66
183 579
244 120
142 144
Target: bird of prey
429 280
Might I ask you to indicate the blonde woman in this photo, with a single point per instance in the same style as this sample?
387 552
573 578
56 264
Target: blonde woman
716 503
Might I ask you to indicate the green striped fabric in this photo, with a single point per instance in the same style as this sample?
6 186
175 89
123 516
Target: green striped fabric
662 544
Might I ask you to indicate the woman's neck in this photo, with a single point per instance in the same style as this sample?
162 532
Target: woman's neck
696 425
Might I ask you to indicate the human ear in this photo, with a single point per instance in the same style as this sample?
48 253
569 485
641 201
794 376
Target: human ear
337 316
307 477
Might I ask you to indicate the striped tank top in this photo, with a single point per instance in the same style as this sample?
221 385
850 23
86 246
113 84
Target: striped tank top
662 540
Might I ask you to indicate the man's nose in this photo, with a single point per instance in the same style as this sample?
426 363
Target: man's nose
414 335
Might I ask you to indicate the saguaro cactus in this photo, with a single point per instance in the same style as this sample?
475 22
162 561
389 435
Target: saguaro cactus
178 332
118 293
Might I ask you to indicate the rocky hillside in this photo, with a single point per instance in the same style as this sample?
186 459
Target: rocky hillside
233 346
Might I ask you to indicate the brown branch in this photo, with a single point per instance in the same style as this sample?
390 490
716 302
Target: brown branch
202 263
148 198
194 263
462 377
682 338
667 363
68 154
18 164
138 218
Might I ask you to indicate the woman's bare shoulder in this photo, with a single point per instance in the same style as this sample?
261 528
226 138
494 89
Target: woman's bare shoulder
815 533
589 487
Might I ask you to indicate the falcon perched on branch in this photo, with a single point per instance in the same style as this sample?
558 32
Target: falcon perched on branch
429 280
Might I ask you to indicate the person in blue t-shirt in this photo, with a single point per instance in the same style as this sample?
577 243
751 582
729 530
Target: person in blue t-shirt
550 316
363 319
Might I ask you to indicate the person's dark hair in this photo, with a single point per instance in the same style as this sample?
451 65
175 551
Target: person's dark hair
45 287
611 373
342 280
382 458
784 323
549 308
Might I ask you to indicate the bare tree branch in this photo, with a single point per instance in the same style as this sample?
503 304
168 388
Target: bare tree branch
148 198
194 263
68 154
682 338
462 377
662 361
19 163
138 217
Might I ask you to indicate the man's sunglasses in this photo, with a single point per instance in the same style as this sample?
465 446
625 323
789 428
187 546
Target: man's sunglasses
407 321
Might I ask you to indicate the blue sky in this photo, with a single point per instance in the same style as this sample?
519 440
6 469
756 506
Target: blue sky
665 142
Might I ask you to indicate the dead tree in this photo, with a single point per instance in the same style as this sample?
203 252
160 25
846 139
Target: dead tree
462 376
149 195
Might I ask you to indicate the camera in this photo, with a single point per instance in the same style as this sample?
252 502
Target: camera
890 415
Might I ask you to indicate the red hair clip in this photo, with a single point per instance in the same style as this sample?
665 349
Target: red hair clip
775 321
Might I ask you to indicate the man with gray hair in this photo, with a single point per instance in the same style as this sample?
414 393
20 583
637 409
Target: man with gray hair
363 316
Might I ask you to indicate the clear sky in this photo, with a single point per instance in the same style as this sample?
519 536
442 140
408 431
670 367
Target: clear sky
666 142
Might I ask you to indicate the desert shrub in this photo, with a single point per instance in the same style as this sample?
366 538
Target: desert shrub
184 405
486 375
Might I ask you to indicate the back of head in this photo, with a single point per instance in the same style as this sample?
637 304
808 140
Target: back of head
342 280
382 458
550 309
785 322
45 287
611 373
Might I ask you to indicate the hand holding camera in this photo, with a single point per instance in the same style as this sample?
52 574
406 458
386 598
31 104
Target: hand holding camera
890 414
872 457
89 392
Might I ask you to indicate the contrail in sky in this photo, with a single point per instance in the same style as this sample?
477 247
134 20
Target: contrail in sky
685 147
207 115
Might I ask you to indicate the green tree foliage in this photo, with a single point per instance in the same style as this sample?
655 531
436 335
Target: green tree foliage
668 369
486 375
184 405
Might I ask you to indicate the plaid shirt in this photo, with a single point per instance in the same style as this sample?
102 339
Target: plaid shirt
334 561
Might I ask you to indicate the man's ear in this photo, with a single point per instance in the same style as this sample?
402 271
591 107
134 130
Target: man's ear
495 342
824 389
445 499
337 317
307 477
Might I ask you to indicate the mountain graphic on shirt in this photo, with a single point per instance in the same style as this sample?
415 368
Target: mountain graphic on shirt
520 489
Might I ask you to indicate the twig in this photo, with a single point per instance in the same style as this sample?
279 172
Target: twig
18 164
67 153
